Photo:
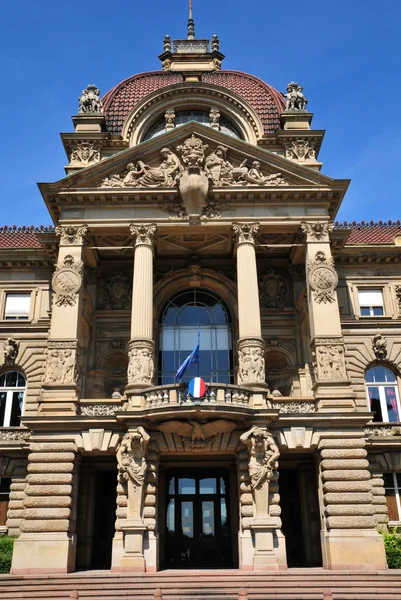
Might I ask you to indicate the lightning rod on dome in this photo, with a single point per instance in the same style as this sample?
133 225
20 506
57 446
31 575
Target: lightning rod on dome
191 23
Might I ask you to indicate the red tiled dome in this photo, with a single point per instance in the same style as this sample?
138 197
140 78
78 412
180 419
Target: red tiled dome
267 102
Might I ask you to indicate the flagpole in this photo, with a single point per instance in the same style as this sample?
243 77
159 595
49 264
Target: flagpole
197 371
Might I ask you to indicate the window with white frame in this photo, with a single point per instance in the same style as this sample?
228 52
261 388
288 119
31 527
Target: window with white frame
383 394
12 394
5 483
17 307
371 302
392 485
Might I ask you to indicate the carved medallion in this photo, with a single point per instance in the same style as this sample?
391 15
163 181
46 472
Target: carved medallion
323 278
118 291
273 289
67 281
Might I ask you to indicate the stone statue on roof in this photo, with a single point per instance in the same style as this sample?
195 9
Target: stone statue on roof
295 97
89 102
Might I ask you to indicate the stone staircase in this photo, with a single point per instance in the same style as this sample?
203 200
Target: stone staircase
294 584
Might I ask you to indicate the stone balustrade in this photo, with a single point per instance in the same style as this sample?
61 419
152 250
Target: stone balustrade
216 394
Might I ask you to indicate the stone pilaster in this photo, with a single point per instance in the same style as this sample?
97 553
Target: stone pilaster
48 529
251 370
60 390
349 536
269 545
332 386
142 346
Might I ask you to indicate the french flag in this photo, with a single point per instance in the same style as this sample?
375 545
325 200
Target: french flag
197 387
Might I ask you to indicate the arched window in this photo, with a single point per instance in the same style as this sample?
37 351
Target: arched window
383 394
12 393
178 337
184 116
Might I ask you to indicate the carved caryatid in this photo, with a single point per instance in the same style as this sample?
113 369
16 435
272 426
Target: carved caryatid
10 351
61 366
295 97
263 454
72 236
197 434
245 233
131 457
89 101
67 281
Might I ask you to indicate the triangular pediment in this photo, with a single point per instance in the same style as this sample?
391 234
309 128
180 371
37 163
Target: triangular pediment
272 171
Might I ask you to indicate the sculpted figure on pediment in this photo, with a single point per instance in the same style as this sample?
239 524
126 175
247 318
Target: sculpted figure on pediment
142 175
89 101
193 152
219 168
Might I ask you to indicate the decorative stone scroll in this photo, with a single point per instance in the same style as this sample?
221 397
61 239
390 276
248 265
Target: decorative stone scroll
322 278
61 364
141 362
84 154
296 100
329 359
379 346
10 351
251 358
317 232
211 164
89 102
245 233
263 454
273 289
300 150
67 281
72 236
131 453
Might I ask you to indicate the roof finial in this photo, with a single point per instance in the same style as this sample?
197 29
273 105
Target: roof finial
191 24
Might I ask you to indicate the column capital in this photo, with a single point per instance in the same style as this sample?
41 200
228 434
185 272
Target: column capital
316 231
244 233
144 235
72 236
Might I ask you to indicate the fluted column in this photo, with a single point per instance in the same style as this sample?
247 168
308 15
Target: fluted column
142 346
61 383
250 345
332 386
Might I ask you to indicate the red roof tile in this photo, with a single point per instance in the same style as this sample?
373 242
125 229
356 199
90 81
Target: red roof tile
267 102
371 233
21 237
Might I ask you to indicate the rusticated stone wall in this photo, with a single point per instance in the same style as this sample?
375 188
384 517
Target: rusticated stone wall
15 513
245 490
274 499
49 490
346 484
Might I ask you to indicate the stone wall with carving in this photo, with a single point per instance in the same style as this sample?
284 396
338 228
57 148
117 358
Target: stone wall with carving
360 354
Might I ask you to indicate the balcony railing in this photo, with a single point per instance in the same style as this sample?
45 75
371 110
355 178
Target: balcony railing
216 394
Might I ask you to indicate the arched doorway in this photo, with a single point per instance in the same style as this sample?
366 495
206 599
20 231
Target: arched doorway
178 331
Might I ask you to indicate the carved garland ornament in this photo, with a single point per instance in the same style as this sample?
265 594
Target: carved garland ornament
67 281
294 407
322 278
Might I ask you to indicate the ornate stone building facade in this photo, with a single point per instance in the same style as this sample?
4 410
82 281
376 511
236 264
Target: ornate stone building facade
194 198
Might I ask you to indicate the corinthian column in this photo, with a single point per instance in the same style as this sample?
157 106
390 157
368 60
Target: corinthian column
141 354
250 345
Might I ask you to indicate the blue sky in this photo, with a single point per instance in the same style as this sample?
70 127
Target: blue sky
345 53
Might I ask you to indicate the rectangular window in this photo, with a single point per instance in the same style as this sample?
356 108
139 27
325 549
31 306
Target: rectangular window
5 483
371 302
17 307
392 487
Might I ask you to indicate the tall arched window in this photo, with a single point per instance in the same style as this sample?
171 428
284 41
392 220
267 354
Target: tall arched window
12 393
383 394
178 336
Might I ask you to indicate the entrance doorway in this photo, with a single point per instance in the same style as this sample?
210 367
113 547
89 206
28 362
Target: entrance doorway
198 531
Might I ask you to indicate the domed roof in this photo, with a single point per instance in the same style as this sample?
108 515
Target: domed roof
267 102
